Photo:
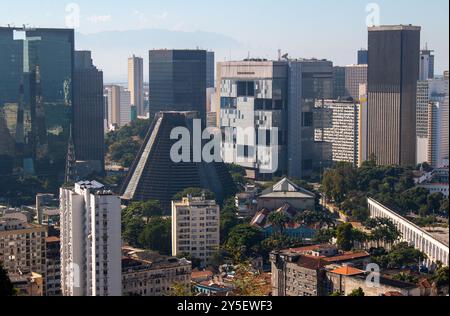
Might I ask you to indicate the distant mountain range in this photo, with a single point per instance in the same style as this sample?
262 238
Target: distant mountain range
112 48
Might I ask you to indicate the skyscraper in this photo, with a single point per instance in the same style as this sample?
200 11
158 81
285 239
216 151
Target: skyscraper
428 91
309 80
426 64
177 80
355 75
363 57
266 113
253 98
210 70
88 134
394 52
35 99
119 106
90 241
339 82
136 83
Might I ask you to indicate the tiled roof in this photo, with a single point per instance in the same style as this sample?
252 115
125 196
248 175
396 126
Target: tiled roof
201 274
348 256
347 270
393 294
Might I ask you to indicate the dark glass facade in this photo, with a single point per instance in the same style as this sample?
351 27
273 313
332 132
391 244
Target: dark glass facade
36 73
88 133
177 81
394 53
363 57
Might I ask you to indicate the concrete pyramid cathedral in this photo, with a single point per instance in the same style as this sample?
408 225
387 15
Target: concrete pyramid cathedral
154 176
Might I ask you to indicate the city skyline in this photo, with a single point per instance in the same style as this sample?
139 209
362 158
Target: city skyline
195 24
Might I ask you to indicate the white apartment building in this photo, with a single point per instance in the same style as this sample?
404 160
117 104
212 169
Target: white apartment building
90 241
119 106
432 121
337 125
195 228
22 246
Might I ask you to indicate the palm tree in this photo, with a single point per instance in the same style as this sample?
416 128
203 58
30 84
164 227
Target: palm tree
279 221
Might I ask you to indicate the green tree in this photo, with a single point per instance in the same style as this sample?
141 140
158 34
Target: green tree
441 276
249 283
325 236
157 235
344 235
242 241
358 292
132 229
434 202
6 287
406 277
180 290
279 221
383 230
401 255
228 219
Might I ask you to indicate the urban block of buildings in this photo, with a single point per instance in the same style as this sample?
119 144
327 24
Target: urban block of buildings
146 273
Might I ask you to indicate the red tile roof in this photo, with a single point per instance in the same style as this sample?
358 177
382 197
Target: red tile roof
348 256
201 274
393 294
347 270
52 239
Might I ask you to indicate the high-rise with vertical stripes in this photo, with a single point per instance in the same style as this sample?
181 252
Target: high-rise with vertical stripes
394 53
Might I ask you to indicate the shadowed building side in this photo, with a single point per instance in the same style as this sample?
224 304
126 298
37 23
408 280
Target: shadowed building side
155 176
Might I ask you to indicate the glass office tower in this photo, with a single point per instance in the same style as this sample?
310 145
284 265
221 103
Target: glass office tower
177 80
36 70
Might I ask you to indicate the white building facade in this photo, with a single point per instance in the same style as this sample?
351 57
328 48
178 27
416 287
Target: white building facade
337 124
432 121
195 228
411 233
90 241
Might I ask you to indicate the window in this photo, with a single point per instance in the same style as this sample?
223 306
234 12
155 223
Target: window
245 89
308 119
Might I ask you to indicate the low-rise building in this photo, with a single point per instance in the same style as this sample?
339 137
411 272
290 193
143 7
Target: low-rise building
345 279
284 192
292 228
146 273
22 246
195 228
246 201
30 284
302 271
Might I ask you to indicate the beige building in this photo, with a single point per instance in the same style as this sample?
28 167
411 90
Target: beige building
22 246
136 83
119 106
344 280
195 228
30 284
146 273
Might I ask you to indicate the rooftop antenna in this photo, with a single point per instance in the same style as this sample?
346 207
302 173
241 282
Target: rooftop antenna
279 54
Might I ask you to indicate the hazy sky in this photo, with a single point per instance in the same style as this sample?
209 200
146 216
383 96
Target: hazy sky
304 28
